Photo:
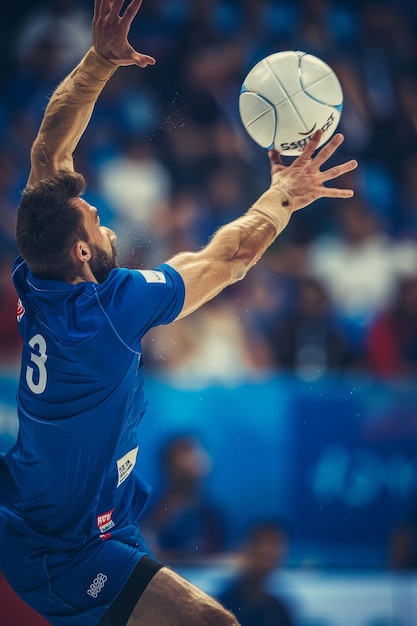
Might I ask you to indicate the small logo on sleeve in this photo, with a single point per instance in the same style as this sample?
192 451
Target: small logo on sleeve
153 276
126 464
20 311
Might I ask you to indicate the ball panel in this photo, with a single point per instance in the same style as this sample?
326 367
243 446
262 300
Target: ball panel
288 111
319 80
259 117
283 67
327 90
274 85
311 113
312 68
264 82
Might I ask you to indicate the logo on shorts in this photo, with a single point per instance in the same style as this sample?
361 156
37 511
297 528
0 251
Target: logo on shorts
97 585
20 311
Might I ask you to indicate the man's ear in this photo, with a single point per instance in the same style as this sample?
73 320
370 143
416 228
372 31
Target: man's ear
82 251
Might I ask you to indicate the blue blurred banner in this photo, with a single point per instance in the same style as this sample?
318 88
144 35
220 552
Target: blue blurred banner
335 459
356 471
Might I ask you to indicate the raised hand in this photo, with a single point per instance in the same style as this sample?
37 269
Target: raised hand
110 32
303 179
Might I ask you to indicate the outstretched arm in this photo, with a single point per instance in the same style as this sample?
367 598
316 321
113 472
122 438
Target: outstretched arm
71 105
236 247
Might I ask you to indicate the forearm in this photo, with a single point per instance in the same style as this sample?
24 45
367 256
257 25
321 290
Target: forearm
241 243
67 115
233 250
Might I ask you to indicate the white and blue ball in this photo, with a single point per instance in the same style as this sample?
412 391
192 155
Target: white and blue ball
286 97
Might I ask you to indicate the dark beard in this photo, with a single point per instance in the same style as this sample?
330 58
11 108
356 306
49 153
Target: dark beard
101 264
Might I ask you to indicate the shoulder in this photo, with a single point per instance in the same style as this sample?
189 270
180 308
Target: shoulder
155 296
123 277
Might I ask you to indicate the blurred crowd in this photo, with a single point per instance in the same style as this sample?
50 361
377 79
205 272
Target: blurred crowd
168 161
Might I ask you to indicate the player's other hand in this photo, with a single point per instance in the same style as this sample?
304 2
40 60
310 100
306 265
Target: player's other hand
303 179
111 29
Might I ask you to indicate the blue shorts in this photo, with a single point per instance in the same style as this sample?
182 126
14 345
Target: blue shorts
71 588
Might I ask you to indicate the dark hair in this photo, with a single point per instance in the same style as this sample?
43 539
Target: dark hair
48 224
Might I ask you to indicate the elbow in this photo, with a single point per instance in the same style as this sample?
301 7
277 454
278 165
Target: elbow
237 262
45 161
42 158
240 248
38 153
238 271
237 266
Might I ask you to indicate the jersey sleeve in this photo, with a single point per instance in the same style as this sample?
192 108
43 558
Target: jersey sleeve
134 301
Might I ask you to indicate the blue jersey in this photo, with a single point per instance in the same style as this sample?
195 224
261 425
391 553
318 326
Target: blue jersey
70 477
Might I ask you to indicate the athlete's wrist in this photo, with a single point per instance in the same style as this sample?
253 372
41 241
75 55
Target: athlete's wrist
276 206
95 66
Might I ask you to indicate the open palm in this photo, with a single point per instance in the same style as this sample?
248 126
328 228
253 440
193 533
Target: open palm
303 179
111 29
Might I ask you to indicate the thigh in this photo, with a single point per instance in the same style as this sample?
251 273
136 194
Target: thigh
170 600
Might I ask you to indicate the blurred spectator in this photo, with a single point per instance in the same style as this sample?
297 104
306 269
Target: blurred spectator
248 596
403 544
357 119
62 24
137 186
401 127
360 266
49 39
184 523
316 28
392 340
310 340
209 347
407 201
9 186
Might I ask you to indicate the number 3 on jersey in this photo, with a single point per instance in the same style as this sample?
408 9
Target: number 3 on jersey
37 378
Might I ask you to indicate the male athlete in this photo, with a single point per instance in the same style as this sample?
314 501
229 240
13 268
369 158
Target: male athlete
69 495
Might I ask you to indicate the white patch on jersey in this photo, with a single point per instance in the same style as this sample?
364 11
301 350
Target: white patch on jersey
153 276
126 464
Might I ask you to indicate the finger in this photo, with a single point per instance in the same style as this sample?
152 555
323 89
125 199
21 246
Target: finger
99 9
339 170
329 149
142 60
131 10
115 6
311 146
274 157
334 192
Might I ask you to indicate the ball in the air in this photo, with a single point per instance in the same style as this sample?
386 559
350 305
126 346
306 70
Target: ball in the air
286 97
